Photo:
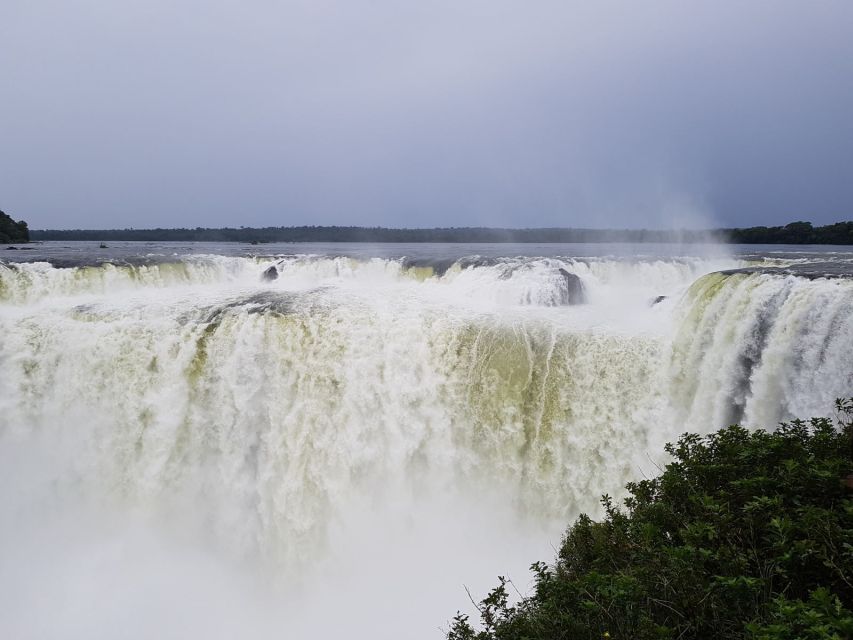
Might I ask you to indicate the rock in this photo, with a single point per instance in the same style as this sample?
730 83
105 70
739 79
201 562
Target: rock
270 274
11 248
658 299
573 292
103 246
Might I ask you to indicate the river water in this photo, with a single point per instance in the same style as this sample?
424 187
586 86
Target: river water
317 440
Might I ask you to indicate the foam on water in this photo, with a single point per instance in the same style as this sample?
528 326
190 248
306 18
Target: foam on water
359 435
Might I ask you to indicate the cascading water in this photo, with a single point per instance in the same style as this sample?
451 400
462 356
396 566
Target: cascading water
363 410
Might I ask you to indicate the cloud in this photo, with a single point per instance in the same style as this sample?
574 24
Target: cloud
422 114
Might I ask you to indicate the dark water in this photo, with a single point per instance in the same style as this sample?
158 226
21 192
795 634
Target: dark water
66 253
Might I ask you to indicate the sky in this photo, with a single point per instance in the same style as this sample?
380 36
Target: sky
511 113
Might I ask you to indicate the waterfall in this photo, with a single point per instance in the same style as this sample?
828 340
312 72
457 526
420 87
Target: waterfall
273 414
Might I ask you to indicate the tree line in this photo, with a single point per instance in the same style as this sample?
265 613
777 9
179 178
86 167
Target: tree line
793 233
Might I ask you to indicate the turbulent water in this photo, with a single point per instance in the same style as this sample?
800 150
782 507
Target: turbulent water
301 444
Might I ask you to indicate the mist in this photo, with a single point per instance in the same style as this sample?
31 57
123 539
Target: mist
189 448
81 565
144 114
220 440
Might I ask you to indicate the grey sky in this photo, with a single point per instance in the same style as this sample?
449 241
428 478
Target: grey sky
430 113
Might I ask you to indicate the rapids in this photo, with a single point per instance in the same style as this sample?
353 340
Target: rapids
389 426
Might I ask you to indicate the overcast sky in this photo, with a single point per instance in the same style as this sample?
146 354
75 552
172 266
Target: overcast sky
146 113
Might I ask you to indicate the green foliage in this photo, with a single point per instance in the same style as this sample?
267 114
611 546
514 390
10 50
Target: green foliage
793 233
11 231
822 616
745 534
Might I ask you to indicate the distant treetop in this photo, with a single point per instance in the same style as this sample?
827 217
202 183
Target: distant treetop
11 231
794 233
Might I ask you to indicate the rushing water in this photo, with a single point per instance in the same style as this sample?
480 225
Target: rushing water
306 441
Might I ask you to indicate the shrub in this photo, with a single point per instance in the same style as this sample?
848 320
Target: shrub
745 534
11 231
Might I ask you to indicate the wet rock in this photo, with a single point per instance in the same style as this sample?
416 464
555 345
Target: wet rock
656 300
270 274
573 291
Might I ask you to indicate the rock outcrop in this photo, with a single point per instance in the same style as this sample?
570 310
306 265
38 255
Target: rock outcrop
573 291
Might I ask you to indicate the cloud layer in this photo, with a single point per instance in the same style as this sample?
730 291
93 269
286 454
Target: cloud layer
403 113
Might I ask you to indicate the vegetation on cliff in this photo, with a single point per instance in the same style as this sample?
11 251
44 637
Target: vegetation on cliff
11 231
746 534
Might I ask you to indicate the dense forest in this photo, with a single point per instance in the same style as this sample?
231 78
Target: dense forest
377 234
745 534
11 231
794 233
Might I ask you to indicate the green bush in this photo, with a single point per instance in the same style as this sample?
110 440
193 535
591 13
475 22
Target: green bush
11 231
745 534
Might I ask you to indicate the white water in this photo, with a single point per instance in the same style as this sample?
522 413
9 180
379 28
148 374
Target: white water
188 451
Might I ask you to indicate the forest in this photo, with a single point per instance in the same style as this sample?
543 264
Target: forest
793 233
11 231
